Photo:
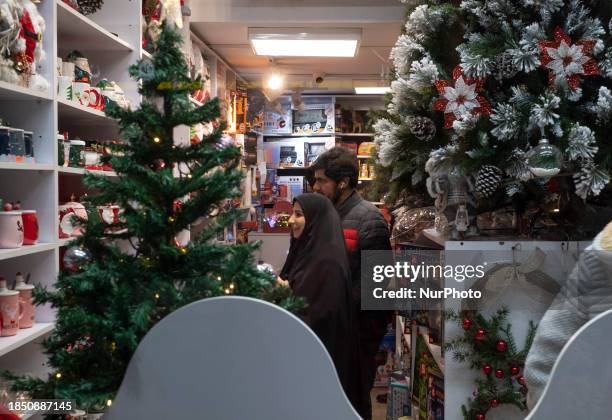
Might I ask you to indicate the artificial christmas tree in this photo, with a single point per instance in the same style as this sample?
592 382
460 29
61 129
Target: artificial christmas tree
107 299
522 86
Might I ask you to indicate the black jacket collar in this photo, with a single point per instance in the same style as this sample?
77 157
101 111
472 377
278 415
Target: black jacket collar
347 205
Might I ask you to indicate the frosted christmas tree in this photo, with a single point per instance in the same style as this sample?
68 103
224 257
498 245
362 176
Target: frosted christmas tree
511 97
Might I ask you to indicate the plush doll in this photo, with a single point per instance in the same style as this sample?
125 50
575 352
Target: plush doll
32 28
587 293
10 28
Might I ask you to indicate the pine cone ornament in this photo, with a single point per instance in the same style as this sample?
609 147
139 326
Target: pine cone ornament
503 67
422 128
488 180
89 7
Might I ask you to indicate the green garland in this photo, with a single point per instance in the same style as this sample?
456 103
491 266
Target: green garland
488 346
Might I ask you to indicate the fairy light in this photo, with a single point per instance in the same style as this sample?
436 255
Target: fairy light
156 295
227 291
171 219
232 286
219 278
156 139
189 176
109 402
58 375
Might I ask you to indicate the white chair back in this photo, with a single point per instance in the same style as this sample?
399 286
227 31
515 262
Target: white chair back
231 358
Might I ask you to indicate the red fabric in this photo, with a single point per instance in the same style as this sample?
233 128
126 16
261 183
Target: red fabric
28 34
351 239
5 414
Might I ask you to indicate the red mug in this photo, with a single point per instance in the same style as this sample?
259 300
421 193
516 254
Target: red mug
30 227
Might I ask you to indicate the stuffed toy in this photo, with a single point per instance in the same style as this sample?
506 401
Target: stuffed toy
30 52
10 28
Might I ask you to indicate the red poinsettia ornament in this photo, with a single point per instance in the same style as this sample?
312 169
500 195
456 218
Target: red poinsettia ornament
460 98
567 61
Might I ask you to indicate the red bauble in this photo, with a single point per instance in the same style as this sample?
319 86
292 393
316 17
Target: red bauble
521 380
480 416
487 369
494 403
514 370
499 373
501 345
480 334
467 323
8 207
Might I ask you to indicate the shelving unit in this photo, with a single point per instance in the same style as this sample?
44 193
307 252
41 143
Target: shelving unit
25 336
111 40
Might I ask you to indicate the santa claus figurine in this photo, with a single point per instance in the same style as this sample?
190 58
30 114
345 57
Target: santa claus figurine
28 54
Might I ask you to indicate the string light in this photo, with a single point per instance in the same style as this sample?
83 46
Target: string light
227 291
232 286
219 278
109 402
189 176
58 375
156 295
184 250
171 219
156 139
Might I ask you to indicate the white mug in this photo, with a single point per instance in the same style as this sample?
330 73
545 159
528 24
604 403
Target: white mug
64 88
68 69
80 92
11 229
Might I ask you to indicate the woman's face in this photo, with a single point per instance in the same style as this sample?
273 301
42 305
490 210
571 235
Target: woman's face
297 221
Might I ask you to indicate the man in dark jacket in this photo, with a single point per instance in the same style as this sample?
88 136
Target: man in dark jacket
335 175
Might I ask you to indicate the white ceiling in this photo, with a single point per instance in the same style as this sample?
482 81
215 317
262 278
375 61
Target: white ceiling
223 25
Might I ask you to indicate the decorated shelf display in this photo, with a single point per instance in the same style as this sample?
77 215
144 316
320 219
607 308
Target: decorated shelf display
17 227
16 145
517 100
487 345
22 49
75 83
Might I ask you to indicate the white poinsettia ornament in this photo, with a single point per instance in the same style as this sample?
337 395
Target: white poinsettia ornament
460 100
566 61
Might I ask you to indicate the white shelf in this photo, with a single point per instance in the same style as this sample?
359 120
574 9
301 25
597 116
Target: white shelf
12 92
355 134
26 166
26 250
25 336
82 115
81 171
64 242
75 30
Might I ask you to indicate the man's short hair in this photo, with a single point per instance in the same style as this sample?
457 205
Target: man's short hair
338 163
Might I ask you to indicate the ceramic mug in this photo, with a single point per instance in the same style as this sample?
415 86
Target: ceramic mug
96 100
64 88
11 229
27 305
109 214
30 227
80 92
11 312
68 70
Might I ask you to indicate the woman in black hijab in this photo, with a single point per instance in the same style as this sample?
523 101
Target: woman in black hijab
317 269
